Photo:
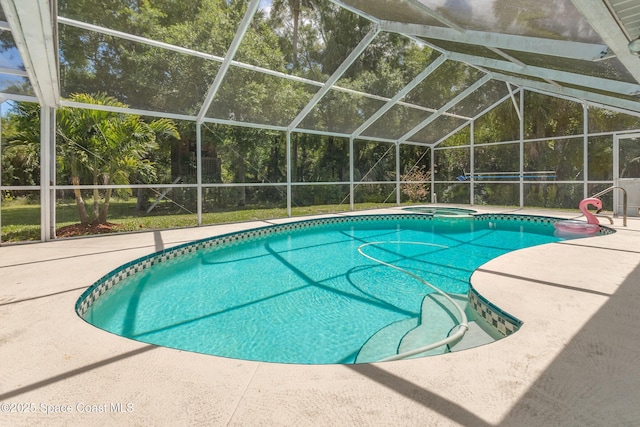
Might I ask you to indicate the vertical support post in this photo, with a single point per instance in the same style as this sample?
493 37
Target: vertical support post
472 162
52 173
616 174
585 152
351 175
45 167
433 175
289 165
521 171
199 200
397 173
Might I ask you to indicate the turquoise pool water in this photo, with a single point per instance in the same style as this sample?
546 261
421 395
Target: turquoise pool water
304 295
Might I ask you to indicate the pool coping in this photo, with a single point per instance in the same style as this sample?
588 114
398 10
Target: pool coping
552 371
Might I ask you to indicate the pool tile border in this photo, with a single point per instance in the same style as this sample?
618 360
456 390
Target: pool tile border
534 219
499 319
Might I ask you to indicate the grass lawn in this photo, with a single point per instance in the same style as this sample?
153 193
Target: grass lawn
21 221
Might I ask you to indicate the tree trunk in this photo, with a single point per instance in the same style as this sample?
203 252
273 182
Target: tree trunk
242 191
105 207
82 208
273 173
141 204
96 198
294 38
96 207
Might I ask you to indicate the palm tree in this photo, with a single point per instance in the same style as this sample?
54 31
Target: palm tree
107 146
126 144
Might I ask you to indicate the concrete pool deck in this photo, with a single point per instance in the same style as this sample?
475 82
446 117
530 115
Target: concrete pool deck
574 362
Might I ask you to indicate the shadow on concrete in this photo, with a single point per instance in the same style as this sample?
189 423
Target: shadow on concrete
451 410
43 296
78 371
158 245
573 243
76 256
595 380
543 282
157 239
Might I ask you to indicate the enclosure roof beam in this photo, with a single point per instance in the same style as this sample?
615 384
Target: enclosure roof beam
608 85
393 101
34 32
576 94
437 16
355 53
607 27
468 91
536 45
226 63
18 98
137 39
13 72
355 11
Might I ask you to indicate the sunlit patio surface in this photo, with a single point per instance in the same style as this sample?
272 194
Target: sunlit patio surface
574 362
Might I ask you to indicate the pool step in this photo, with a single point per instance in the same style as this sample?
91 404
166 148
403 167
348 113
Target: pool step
439 316
475 336
384 343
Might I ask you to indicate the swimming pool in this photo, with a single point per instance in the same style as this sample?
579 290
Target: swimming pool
301 292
